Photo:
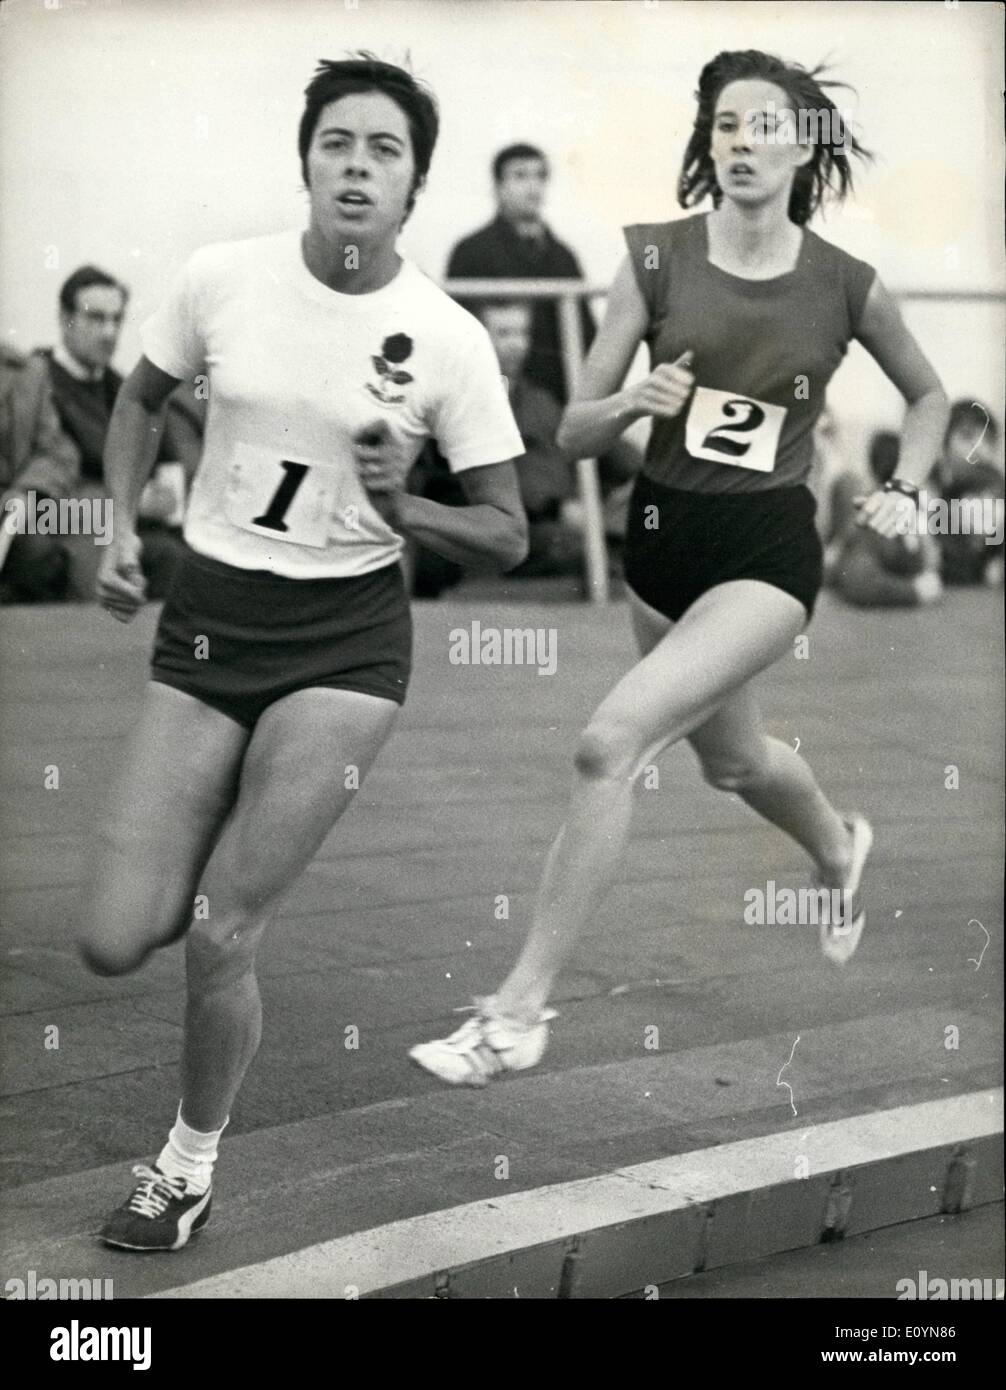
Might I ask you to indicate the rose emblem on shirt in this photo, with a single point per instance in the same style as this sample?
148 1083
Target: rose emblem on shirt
394 350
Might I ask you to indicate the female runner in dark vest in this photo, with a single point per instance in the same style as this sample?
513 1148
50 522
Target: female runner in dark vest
747 314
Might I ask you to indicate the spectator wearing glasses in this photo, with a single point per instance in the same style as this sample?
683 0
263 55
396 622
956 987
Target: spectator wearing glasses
85 386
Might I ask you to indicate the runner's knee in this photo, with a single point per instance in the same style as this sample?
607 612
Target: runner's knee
608 750
219 952
107 955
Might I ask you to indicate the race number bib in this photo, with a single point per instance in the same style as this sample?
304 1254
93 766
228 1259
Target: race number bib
278 496
726 428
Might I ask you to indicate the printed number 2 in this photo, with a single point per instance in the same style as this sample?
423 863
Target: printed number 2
719 438
273 515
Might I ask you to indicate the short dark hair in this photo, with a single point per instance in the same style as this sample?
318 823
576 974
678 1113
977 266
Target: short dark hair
366 73
513 152
963 413
829 169
84 279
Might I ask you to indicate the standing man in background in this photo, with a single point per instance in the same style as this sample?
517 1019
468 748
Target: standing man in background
519 245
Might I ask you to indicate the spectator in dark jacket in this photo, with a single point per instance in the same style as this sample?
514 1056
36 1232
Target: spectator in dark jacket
92 305
518 244
37 461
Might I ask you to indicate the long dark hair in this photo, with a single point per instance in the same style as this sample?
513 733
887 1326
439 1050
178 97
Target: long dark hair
829 170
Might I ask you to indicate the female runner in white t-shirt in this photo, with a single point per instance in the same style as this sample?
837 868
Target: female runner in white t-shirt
283 648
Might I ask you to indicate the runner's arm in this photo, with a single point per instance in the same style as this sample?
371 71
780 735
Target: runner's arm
599 410
883 333
490 532
133 438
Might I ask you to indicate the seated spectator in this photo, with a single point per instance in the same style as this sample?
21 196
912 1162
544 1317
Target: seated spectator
546 475
970 442
37 461
92 307
835 486
518 244
874 571
965 474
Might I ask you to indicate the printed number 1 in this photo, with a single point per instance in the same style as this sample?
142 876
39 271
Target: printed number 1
273 516
719 438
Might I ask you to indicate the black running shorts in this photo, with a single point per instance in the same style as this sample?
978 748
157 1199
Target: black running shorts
240 639
680 544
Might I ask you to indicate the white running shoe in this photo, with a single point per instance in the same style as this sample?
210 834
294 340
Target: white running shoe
485 1046
840 939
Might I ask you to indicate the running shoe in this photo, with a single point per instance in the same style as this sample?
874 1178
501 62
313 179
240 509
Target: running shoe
487 1045
161 1214
840 939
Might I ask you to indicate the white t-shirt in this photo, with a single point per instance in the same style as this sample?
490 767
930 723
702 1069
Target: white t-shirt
295 371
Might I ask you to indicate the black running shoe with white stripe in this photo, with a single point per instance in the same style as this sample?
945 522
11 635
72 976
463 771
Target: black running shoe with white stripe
161 1214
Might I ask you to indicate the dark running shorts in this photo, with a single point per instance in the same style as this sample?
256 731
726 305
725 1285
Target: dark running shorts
267 636
709 538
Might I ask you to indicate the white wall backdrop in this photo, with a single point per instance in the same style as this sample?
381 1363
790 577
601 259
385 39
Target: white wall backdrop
132 131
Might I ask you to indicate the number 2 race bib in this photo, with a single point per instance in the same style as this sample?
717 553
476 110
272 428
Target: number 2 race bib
725 428
288 499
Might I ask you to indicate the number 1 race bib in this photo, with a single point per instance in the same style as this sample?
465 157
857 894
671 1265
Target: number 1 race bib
285 498
726 428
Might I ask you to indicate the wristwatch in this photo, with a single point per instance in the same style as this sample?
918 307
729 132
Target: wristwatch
900 485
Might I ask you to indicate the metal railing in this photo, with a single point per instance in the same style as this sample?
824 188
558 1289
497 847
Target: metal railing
568 294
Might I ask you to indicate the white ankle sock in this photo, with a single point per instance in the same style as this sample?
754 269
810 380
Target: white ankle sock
190 1154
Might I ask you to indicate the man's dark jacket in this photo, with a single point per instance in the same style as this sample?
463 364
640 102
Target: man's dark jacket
498 252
